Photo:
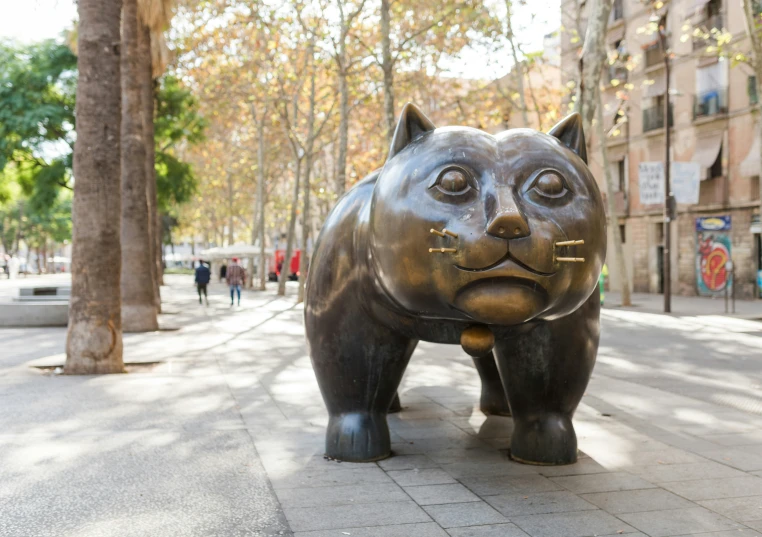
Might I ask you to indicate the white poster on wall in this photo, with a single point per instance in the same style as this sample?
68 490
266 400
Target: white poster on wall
651 183
686 180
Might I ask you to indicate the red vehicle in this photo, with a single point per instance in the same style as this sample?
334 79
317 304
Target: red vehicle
276 265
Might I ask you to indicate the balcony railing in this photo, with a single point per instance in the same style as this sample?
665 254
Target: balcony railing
715 21
654 55
617 73
710 103
653 118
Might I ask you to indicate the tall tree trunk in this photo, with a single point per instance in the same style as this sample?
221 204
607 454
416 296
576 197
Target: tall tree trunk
341 173
591 61
518 67
303 258
387 66
147 102
286 270
230 209
138 294
621 264
94 337
254 235
753 30
261 200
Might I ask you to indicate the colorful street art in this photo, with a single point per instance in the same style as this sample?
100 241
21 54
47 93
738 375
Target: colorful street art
712 253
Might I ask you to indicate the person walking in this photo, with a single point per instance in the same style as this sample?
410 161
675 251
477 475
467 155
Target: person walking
236 276
203 275
223 271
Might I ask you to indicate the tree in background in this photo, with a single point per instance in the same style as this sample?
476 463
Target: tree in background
94 338
37 90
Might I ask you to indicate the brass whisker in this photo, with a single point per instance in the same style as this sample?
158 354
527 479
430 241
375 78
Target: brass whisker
570 259
570 243
450 233
442 250
436 232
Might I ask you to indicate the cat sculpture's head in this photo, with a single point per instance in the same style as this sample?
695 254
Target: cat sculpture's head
506 202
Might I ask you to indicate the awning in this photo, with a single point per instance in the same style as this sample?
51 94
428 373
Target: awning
707 149
659 86
617 34
750 166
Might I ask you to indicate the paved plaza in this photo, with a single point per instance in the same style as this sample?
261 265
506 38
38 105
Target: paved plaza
218 431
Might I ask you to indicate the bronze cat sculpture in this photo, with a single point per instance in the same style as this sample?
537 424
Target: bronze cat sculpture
491 242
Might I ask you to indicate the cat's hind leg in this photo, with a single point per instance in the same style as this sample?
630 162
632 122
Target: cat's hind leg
359 364
493 400
546 371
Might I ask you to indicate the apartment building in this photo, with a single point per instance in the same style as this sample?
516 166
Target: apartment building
713 110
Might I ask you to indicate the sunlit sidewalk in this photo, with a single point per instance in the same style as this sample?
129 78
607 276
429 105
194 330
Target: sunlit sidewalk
220 432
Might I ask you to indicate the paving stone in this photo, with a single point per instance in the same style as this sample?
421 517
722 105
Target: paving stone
678 522
736 439
756 524
426 476
579 524
582 466
582 484
463 441
493 530
474 454
740 509
464 514
323 478
560 501
430 529
346 494
664 473
633 501
625 459
490 469
712 489
487 486
742 458
740 532
439 494
444 430
407 462
416 411
356 515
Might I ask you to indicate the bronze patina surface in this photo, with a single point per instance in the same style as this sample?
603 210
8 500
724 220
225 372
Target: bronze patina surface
491 242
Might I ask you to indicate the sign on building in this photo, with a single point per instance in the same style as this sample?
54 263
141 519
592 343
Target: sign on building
712 254
651 183
686 180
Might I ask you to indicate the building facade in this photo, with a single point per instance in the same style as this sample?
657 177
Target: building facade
713 112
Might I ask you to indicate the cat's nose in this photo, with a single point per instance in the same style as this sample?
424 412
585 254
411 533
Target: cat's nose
508 223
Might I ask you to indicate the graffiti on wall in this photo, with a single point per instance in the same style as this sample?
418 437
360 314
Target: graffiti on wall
712 254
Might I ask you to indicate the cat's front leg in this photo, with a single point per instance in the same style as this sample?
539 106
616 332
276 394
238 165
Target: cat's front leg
546 371
359 364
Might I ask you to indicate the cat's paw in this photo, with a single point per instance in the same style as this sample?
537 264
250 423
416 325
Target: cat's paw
494 403
358 437
549 440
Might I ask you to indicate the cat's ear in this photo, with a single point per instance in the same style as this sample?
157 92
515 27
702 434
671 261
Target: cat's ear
569 132
412 125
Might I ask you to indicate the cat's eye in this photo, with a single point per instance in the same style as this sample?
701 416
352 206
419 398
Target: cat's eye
453 181
550 184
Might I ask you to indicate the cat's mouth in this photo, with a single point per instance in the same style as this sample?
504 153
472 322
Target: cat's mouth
507 257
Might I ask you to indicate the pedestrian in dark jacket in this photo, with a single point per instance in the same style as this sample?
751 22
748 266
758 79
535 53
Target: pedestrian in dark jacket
223 272
203 275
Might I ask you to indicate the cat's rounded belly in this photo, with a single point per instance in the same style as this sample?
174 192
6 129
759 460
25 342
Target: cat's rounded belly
503 301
